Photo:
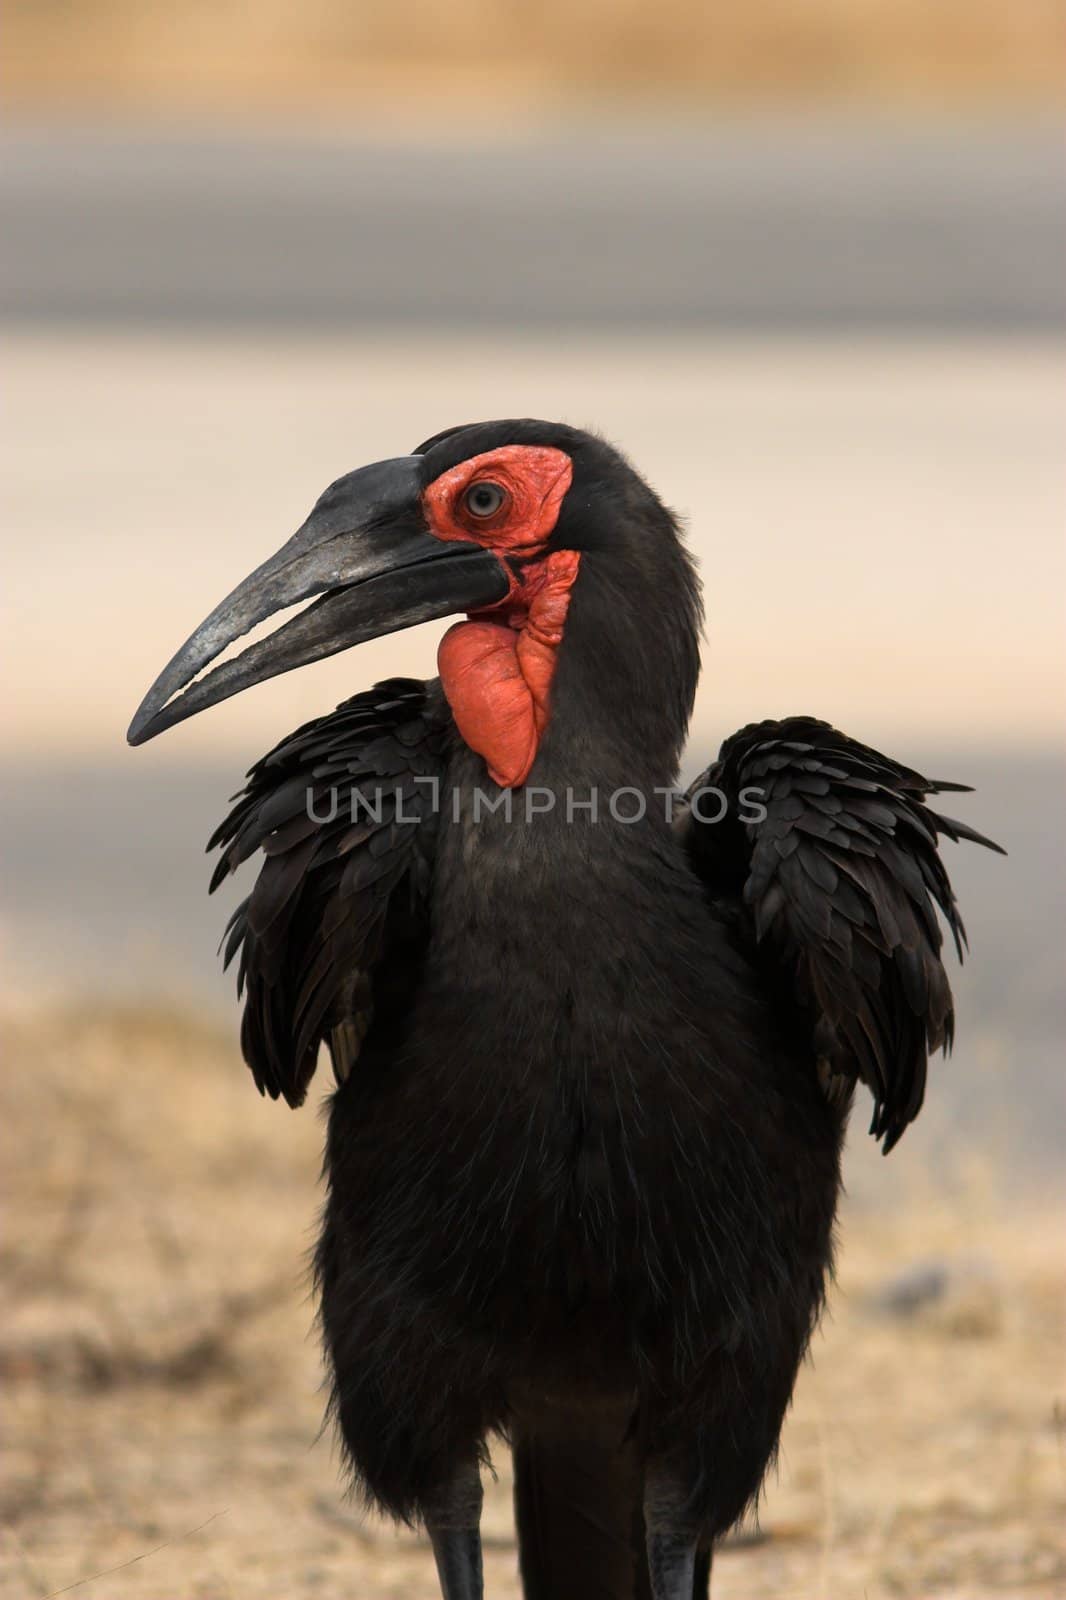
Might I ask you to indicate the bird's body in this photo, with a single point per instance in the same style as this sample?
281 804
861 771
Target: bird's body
595 1049
566 1174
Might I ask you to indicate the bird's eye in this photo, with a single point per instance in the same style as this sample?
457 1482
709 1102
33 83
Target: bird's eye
484 500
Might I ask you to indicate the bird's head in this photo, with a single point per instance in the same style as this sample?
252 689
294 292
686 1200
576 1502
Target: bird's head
476 521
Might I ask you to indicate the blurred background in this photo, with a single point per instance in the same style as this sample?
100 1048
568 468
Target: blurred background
804 263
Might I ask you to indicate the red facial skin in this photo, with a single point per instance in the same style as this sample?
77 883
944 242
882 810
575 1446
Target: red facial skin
497 667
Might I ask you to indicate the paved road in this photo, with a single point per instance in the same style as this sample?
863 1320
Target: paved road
770 227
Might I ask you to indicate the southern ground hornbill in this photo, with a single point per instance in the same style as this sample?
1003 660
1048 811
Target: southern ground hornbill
594 1060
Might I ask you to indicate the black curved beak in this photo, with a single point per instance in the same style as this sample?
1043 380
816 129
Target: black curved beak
365 550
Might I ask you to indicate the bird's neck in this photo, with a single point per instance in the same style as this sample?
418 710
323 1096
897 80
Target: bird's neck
529 879
586 835
580 683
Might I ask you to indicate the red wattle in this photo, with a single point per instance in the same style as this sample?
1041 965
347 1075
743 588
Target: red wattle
491 704
497 675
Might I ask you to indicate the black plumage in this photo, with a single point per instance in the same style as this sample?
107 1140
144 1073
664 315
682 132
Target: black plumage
842 880
593 1068
337 810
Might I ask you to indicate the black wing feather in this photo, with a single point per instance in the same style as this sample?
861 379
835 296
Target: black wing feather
339 889
842 879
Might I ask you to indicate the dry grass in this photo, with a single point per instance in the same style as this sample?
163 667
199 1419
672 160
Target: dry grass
161 1400
377 59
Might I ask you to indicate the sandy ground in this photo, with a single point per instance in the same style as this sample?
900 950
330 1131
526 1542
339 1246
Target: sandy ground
161 1384
332 59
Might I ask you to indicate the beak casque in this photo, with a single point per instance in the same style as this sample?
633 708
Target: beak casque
366 552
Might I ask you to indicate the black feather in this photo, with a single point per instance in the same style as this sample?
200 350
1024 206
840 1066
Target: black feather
310 935
860 943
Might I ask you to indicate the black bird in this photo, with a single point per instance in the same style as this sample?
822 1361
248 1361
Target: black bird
595 1047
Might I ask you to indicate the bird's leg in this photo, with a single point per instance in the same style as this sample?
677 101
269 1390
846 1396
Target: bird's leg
453 1522
701 1587
679 1563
